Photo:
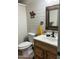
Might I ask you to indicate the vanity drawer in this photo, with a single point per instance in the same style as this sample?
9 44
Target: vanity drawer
38 51
46 46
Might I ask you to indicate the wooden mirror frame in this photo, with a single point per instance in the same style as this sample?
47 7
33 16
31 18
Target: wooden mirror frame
48 27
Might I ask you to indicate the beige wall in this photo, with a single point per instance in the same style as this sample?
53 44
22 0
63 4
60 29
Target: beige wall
38 6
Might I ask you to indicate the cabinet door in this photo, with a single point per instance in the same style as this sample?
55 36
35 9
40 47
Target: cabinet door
38 52
51 56
37 57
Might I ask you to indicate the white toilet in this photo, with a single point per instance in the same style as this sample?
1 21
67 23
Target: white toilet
26 47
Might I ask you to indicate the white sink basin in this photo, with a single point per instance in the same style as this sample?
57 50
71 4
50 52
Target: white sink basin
49 40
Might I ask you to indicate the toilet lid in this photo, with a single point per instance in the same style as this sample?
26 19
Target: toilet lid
25 44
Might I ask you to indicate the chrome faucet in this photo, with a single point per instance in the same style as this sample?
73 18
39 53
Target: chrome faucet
53 34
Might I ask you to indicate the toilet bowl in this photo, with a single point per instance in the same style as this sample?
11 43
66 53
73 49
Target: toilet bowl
26 47
27 44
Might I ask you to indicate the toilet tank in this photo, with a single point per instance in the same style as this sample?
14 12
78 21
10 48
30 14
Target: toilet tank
31 36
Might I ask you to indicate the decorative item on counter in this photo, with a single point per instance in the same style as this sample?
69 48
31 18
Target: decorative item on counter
40 29
47 35
32 14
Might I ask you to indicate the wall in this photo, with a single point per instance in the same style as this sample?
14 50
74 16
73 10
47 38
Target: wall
38 6
22 22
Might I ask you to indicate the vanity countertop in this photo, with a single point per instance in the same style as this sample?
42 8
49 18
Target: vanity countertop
49 40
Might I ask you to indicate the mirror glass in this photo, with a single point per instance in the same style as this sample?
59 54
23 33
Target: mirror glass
53 17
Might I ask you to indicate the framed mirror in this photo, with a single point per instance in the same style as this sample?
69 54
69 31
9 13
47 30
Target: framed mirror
52 17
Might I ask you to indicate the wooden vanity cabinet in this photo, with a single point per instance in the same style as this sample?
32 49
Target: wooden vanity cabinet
44 51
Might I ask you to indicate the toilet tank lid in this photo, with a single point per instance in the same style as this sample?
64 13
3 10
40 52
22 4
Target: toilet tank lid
32 34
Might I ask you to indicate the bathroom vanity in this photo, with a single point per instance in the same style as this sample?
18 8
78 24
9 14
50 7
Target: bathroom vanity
45 47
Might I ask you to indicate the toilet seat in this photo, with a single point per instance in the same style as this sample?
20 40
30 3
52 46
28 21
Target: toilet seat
24 45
